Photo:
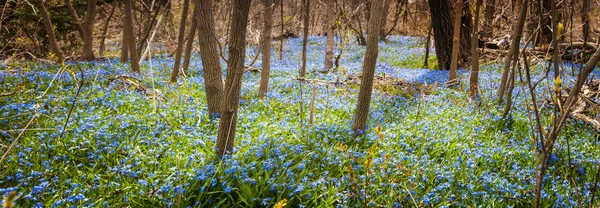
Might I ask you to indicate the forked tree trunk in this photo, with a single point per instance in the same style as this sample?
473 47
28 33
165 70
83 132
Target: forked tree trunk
456 39
366 84
180 40
189 45
105 29
513 52
266 47
330 36
211 63
305 37
76 20
488 30
49 30
233 82
128 27
474 79
88 31
442 31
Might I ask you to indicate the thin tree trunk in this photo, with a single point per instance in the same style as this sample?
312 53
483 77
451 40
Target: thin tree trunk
211 63
474 79
128 27
330 36
124 39
305 38
88 31
442 31
105 29
266 47
513 52
466 22
488 30
456 39
282 28
190 41
235 71
366 84
149 44
180 40
555 40
150 23
76 20
49 31
427 46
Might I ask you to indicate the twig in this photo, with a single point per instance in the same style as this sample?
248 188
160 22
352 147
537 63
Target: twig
62 132
17 139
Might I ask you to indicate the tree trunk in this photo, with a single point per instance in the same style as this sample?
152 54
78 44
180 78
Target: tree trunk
180 40
49 30
190 41
124 39
282 28
487 32
366 84
88 31
330 36
456 39
382 33
466 22
305 38
555 40
546 34
105 29
442 31
233 82
266 47
513 52
76 20
211 63
130 41
474 79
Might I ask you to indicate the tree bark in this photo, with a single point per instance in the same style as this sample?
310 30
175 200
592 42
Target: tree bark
474 79
130 41
456 39
330 36
233 82
49 30
305 37
124 39
466 22
190 41
180 40
266 47
76 20
487 31
211 63
382 33
513 52
88 31
366 85
105 29
442 31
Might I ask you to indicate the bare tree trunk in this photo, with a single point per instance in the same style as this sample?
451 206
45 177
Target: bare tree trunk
330 36
466 22
427 46
487 31
266 47
382 33
442 31
282 28
474 79
305 38
555 40
211 63
124 39
149 44
105 29
88 31
366 84
49 31
235 71
180 40
456 39
190 41
513 52
76 20
130 41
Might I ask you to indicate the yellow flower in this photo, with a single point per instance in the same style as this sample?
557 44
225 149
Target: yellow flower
9 201
560 28
280 204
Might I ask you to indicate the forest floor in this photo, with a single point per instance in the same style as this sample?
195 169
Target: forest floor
141 141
